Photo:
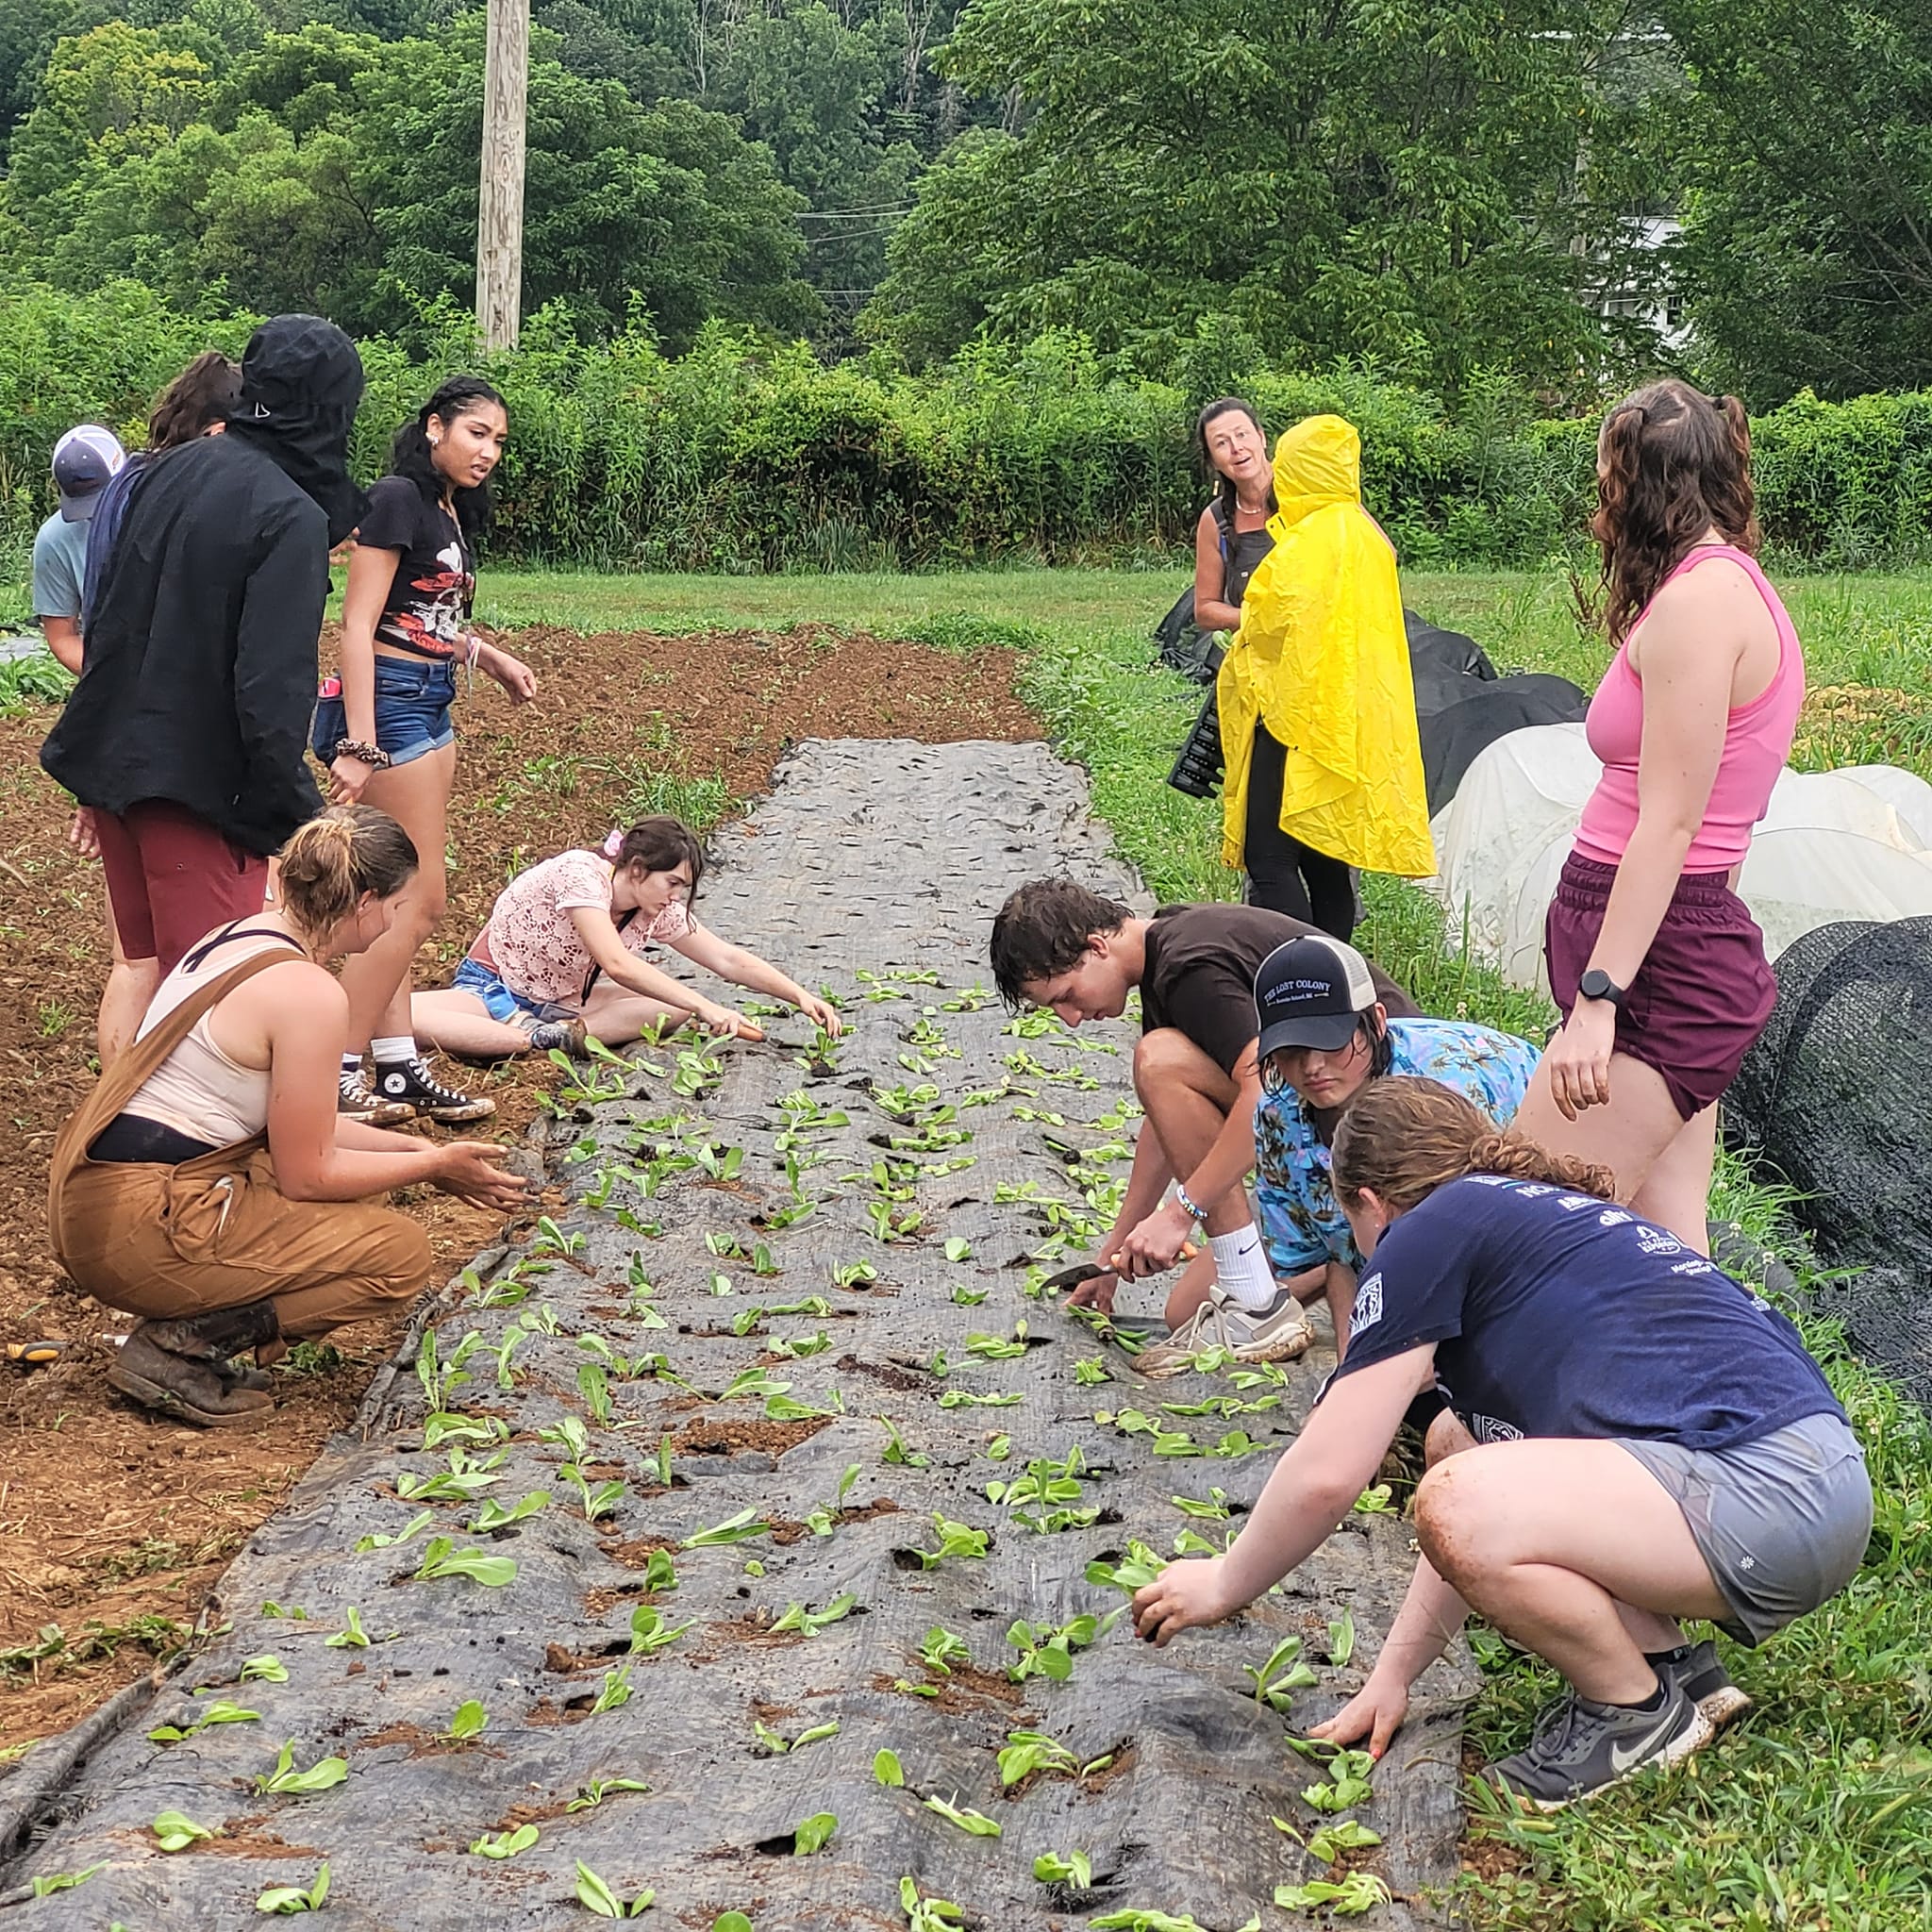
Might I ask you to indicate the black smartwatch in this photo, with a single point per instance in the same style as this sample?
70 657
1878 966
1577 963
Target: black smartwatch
1597 985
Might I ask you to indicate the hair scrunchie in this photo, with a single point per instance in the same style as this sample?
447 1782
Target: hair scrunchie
613 843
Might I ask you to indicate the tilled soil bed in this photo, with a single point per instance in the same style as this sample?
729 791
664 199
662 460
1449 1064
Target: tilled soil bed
114 1528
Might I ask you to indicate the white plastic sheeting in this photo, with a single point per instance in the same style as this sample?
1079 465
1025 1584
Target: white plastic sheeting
1849 845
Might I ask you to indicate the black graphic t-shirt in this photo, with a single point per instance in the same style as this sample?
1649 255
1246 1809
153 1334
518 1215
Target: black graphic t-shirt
427 608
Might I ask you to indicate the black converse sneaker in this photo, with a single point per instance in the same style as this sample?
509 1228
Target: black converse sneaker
356 1100
410 1083
1582 1746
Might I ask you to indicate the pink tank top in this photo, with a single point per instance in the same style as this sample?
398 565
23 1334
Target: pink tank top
1757 739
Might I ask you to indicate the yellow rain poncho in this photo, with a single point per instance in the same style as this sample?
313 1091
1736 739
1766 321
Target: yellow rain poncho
1322 659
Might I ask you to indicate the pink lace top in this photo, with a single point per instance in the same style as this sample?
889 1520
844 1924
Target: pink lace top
1757 739
533 945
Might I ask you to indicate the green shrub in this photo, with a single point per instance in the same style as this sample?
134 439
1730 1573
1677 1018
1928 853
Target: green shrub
743 457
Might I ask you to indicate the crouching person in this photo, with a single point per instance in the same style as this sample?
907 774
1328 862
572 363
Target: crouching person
1325 1034
207 1184
1636 1438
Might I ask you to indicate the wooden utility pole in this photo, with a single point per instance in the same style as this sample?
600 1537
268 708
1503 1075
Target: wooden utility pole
500 203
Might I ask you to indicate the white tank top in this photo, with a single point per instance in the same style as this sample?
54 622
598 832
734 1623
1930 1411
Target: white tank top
198 1090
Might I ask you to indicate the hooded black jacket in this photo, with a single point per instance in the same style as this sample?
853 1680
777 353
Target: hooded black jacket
199 677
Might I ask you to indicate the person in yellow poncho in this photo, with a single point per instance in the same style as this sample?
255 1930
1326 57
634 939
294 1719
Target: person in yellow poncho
1324 768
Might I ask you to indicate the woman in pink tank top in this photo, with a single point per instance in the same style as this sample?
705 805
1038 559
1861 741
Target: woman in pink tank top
1657 966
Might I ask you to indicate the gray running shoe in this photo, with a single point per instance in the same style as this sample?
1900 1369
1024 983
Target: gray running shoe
1278 1333
1705 1682
1582 1747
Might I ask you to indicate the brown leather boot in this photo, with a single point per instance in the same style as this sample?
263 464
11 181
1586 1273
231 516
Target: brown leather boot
220 1338
185 1387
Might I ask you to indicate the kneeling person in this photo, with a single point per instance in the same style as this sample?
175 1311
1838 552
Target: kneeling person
1636 1438
1325 1034
209 1186
1058 945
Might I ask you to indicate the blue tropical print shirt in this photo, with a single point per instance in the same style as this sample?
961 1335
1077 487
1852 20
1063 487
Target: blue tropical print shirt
1301 1224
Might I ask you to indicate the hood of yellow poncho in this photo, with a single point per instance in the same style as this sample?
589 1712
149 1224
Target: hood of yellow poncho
1317 464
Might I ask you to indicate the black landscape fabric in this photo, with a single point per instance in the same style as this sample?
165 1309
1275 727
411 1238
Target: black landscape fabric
794 1278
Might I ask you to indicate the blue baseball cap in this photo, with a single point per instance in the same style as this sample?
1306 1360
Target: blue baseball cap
84 459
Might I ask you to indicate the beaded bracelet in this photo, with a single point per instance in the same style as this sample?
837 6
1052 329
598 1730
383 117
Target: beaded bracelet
370 754
1186 1202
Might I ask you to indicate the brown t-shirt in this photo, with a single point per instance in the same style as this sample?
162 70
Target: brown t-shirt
1200 978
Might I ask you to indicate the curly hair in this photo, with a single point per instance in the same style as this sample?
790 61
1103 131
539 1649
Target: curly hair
1403 1137
1674 463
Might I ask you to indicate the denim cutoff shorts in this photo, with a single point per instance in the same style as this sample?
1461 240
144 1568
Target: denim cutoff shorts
412 703
503 1003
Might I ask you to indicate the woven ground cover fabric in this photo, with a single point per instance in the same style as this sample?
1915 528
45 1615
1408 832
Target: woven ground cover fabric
762 1254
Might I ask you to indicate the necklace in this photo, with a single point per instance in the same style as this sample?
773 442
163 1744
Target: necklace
1247 509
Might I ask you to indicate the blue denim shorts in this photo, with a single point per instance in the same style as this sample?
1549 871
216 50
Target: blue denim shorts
413 700
501 1002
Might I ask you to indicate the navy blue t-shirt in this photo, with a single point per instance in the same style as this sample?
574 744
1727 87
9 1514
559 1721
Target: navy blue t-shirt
1557 1314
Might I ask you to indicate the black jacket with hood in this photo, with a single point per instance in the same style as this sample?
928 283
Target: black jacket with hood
199 678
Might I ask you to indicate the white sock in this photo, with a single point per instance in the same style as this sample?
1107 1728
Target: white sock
352 1063
1240 1268
394 1048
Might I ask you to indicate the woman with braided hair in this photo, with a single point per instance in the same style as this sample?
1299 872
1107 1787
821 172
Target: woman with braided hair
1657 964
383 726
208 1184
1632 1438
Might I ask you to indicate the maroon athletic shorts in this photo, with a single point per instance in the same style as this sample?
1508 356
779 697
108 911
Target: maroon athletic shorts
1701 997
173 878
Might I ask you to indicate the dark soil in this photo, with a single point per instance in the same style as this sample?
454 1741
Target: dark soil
722 1436
114 1526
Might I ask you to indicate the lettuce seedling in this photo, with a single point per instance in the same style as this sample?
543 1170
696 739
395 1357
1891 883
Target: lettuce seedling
964 1398
976 1824
740 1528
592 1794
379 1541
1348 1783
969 1298
506 1844
493 1515
1215 1510
174 1831
267 1669
219 1712
649 1632
896 1451
440 1559
615 1690
955 1540
658 1572
1346 1898
593 1891
351 1636
285 1781
1135 1571
797 1617
283 1901
595 1502
1340 1640
1272 1686
1345 1835
468 1722
63 1881
813 1834
887 1770
1074 1869
927 1914
943 1649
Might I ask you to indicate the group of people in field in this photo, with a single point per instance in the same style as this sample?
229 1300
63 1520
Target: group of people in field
1511 1245
261 1040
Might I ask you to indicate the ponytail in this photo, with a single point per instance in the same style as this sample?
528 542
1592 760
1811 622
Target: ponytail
410 454
657 845
1402 1138
332 860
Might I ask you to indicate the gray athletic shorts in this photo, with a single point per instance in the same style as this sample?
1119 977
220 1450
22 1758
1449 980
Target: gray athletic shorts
1782 1522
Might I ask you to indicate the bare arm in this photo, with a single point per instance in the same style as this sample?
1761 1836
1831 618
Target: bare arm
1308 1492
63 639
617 962
743 967
1211 612
370 574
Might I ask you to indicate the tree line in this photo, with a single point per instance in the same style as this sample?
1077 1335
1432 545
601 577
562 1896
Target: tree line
1570 190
